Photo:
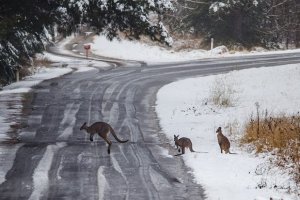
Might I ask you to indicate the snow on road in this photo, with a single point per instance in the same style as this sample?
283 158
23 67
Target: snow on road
102 183
41 173
11 102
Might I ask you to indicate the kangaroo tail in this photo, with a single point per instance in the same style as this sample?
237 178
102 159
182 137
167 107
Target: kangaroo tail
191 149
232 153
115 136
200 151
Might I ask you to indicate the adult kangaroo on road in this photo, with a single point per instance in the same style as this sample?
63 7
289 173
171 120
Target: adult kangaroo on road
183 143
103 129
223 141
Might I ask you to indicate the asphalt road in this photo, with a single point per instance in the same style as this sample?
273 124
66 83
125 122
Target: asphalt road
57 161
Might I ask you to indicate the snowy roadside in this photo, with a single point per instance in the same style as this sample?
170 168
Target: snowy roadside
189 114
134 50
15 91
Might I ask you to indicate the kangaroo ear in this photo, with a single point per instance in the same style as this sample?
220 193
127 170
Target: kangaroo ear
83 125
177 135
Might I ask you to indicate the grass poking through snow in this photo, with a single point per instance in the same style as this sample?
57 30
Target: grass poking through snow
279 135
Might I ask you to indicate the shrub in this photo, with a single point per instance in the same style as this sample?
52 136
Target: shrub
42 61
279 135
222 92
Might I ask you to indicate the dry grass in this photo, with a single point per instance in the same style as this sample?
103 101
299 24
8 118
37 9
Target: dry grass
222 92
42 62
29 69
279 135
25 71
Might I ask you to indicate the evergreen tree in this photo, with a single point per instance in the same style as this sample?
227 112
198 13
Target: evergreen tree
268 23
24 26
229 21
297 39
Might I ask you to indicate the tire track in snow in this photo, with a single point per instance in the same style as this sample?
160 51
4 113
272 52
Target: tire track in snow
7 157
68 122
40 175
131 122
118 169
102 183
144 174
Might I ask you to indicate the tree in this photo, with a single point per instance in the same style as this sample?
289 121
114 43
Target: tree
229 21
297 40
24 27
132 17
280 22
266 23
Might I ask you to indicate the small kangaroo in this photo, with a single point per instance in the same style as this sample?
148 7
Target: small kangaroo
223 141
103 129
183 143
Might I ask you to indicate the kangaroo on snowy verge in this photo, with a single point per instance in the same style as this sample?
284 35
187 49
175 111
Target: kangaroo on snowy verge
103 129
183 143
223 141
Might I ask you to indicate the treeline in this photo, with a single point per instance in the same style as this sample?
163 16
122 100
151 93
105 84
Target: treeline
27 26
268 23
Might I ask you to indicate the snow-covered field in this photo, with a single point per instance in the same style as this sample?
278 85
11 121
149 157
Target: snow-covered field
223 176
191 114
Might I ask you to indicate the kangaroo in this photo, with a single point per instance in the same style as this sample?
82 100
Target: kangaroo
103 129
223 141
183 143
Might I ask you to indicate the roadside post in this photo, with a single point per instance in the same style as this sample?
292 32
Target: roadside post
17 75
211 45
87 47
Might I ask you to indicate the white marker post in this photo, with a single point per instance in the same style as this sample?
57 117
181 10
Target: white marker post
17 75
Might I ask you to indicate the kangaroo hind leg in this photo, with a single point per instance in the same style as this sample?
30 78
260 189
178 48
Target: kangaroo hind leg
109 144
91 137
183 150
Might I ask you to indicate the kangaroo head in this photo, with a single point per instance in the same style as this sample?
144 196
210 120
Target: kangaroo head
219 130
83 126
176 137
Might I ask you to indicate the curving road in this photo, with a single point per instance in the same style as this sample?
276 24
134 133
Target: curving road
56 160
